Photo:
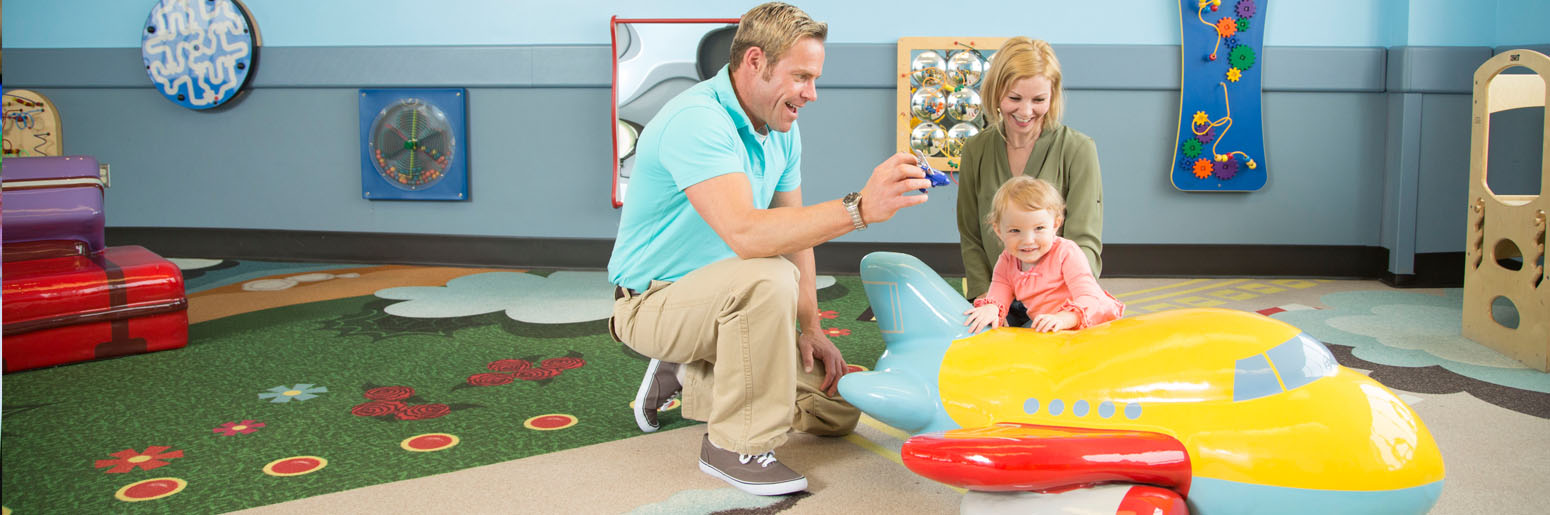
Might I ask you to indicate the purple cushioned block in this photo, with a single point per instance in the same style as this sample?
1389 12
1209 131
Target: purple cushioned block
51 167
53 213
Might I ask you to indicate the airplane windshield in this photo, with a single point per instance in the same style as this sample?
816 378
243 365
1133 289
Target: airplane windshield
1302 360
1299 360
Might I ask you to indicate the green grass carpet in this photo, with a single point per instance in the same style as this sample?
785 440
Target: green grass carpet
343 371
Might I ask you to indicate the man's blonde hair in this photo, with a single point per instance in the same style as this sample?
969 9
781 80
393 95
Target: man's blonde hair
774 27
1026 193
1020 58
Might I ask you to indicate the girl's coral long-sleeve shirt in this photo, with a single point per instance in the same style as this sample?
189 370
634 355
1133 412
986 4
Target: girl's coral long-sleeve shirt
1060 281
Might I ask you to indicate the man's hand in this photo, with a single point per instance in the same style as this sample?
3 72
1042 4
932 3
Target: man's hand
1056 322
982 317
813 344
885 191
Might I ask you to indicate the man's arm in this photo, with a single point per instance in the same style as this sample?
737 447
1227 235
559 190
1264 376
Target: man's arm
726 203
811 343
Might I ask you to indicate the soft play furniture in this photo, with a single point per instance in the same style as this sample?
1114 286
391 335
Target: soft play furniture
67 297
1232 411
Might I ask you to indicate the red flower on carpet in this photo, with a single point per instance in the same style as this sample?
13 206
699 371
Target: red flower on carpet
563 363
129 459
389 393
490 379
424 411
233 428
536 374
828 314
835 331
509 365
377 408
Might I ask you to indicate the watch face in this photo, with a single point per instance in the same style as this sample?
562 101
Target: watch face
851 199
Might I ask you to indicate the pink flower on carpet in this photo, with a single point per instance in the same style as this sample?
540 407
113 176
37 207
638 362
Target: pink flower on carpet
389 393
828 314
536 374
509 365
835 331
423 411
490 379
563 363
233 428
129 459
377 408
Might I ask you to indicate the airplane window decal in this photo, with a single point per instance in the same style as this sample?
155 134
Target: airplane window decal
1302 360
1254 379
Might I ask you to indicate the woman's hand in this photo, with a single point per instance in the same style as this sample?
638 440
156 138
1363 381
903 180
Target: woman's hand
1056 322
982 317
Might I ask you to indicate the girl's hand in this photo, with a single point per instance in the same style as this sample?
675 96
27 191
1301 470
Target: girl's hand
1056 322
982 317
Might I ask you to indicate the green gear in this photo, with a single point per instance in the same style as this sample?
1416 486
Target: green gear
1242 57
1243 24
1191 148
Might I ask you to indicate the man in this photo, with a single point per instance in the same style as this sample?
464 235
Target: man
714 259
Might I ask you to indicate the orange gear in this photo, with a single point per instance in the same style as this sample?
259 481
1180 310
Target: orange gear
1226 27
1202 168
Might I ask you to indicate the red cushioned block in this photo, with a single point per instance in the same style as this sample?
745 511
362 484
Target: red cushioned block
125 300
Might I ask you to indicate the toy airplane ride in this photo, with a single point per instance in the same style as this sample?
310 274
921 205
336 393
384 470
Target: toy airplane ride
1230 411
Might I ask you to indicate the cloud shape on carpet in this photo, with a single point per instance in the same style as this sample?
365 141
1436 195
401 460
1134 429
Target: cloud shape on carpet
718 500
561 298
1406 329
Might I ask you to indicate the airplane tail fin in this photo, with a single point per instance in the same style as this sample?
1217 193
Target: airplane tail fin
911 301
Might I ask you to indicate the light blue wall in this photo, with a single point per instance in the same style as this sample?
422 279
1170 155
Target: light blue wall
286 156
306 23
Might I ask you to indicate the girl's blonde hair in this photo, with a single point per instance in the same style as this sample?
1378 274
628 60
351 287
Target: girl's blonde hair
1020 58
1027 193
774 27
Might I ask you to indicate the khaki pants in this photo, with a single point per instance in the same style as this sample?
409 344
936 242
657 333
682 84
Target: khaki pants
732 324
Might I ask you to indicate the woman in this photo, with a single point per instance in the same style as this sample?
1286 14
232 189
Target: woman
1023 136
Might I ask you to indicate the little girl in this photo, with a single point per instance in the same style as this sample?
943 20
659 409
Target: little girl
1048 273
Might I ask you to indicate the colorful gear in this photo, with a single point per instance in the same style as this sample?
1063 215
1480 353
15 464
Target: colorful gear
1201 118
1243 24
1246 9
1207 136
1230 42
1186 163
1241 57
1202 168
1226 170
1233 74
1226 26
1191 148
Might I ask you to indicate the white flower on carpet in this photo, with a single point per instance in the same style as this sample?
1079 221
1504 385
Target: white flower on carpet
561 298
1406 329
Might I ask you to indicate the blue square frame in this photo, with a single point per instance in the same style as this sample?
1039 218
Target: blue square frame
453 103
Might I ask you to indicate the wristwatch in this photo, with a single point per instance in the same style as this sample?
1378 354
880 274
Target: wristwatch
852 203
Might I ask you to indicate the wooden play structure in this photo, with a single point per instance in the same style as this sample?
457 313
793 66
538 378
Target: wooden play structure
1505 252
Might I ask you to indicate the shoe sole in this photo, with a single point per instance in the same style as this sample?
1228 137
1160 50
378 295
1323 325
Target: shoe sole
782 488
640 398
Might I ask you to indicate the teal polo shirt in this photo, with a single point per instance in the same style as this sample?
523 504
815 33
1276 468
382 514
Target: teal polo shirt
699 134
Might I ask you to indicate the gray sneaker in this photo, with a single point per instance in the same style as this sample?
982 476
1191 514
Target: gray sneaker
657 389
756 474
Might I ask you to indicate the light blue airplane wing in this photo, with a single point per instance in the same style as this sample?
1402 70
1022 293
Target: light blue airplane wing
919 316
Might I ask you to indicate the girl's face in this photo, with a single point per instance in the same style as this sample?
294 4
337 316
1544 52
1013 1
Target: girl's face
1028 235
1024 106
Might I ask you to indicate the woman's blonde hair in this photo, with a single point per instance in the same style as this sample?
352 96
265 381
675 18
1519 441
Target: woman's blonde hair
1020 58
774 27
1027 193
